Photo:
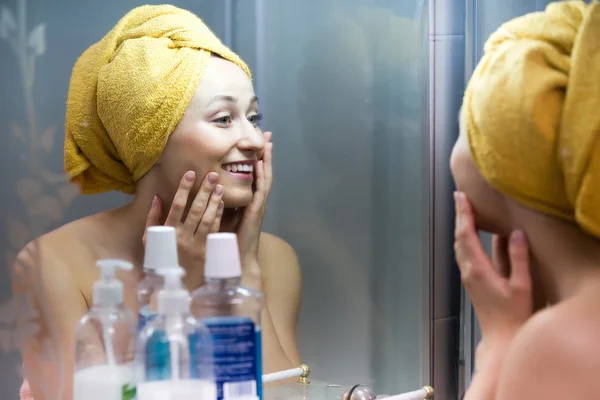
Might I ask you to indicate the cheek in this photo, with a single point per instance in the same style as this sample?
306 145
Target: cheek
458 166
488 205
204 148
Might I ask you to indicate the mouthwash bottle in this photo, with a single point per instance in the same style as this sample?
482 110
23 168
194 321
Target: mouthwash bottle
105 341
160 253
174 353
232 315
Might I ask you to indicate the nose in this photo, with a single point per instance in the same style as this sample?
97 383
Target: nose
251 138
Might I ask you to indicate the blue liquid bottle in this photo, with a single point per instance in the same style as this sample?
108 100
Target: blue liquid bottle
232 315
174 351
160 253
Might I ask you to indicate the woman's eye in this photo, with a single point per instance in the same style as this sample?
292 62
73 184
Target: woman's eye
224 121
255 119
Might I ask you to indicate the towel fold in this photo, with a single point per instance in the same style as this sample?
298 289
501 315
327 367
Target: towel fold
129 91
532 112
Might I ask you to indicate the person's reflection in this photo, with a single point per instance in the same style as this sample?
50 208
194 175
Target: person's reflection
359 93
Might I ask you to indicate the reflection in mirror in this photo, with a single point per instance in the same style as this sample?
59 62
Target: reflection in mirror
354 130
343 98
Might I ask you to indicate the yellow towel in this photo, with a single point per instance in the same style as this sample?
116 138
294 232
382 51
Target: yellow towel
130 90
532 112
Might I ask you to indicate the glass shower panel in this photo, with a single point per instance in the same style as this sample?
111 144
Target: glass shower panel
343 85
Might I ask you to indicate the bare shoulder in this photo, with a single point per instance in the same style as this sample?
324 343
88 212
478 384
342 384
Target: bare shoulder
271 244
44 277
276 253
282 286
554 356
51 264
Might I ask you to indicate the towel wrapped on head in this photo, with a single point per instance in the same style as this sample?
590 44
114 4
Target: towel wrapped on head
532 112
129 91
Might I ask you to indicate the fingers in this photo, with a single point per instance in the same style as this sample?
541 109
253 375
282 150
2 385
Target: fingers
520 276
500 255
155 212
181 198
209 194
472 260
267 138
263 181
217 223
268 135
268 166
259 181
205 225
154 215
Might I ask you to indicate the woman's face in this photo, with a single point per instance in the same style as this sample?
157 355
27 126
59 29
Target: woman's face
489 205
219 132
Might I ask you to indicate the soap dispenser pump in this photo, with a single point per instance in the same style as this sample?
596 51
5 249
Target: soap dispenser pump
174 356
105 340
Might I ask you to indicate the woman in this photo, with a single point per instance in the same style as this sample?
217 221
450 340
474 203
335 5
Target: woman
160 108
527 167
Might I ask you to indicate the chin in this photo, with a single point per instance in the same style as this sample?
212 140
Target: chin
237 200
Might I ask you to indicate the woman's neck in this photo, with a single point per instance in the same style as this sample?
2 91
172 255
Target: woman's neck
130 220
565 259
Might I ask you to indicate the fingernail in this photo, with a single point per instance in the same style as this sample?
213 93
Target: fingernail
212 178
221 205
154 201
190 176
518 238
457 200
219 190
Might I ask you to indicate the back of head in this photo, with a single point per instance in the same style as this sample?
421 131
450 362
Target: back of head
129 91
532 112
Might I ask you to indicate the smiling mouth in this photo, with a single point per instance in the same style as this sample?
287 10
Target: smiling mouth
239 168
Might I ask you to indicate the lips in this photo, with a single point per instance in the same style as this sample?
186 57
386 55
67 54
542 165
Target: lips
247 168
242 170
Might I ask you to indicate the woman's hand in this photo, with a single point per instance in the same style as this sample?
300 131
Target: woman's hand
500 290
249 227
203 217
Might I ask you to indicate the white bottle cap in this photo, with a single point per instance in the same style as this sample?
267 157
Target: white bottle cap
222 256
161 248
108 290
173 298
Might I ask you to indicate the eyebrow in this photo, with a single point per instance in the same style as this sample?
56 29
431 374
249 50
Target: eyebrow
230 99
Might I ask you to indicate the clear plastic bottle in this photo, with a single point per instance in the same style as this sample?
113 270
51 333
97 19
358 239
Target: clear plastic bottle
232 314
160 252
174 353
105 340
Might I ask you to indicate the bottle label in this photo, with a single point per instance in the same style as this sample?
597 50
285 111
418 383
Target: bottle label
128 392
237 356
145 315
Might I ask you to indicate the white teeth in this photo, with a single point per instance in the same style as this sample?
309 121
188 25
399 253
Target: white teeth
239 168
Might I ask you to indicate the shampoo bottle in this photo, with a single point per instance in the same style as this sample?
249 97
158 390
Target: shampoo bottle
174 351
104 341
160 253
232 314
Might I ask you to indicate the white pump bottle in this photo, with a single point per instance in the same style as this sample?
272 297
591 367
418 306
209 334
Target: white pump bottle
174 350
105 340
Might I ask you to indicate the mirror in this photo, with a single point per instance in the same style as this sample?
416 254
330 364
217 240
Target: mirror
343 85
